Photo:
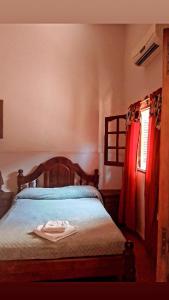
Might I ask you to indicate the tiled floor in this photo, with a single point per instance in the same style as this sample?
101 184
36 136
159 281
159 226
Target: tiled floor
144 265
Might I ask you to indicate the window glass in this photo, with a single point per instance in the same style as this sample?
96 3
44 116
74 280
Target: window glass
144 138
115 140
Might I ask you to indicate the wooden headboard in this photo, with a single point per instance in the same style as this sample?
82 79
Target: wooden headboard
57 172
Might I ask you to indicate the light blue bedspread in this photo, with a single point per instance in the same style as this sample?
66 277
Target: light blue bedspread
97 233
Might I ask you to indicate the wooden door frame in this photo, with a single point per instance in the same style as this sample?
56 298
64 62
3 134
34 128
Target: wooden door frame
163 210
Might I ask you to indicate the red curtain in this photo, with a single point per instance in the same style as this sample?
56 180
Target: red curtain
127 205
151 187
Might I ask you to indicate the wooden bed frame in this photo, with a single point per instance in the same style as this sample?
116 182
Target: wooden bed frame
57 172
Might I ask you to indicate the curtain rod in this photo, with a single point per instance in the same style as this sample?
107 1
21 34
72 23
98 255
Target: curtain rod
146 98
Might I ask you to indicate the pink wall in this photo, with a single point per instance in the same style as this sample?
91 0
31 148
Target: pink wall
58 83
47 79
53 80
139 82
111 102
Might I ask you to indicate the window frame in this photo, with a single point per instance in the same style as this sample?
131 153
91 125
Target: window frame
117 132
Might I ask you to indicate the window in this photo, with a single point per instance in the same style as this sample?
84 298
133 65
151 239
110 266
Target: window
143 145
115 140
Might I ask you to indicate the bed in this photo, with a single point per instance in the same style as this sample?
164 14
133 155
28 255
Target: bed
60 189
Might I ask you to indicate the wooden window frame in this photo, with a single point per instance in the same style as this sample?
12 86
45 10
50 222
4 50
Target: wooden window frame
117 132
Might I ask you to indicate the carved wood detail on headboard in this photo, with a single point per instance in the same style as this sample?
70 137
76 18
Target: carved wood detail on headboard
58 171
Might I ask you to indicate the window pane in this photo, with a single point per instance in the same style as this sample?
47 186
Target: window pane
122 140
112 126
122 124
112 140
111 155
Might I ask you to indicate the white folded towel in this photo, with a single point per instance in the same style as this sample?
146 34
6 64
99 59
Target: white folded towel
54 236
55 226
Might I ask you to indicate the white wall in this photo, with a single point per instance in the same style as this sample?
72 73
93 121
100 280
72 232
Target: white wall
54 78
139 82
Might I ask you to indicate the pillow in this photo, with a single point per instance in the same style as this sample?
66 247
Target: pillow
59 193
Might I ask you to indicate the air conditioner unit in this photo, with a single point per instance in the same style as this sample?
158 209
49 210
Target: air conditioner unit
150 45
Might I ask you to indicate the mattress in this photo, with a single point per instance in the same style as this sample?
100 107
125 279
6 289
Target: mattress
97 234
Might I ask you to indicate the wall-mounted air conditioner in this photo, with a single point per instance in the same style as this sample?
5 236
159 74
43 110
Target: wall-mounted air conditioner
149 46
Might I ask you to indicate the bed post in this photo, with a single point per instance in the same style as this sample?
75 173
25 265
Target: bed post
129 262
19 179
96 179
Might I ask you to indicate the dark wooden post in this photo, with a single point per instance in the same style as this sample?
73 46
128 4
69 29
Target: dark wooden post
96 180
20 180
129 262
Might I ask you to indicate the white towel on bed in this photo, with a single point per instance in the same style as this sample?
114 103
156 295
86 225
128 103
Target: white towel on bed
54 237
55 226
